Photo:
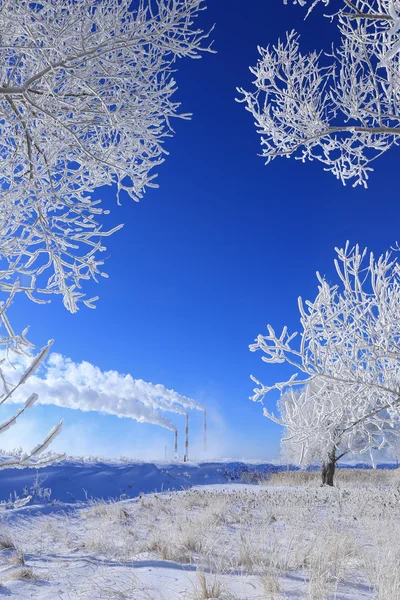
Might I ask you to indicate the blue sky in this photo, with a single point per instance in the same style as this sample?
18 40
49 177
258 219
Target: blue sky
223 247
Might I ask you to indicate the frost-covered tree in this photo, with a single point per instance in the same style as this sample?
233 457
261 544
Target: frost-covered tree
86 100
348 354
319 427
341 108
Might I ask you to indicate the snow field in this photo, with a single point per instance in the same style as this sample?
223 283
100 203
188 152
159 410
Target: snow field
235 541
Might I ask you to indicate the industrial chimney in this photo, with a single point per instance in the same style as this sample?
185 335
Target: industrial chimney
186 458
205 431
176 444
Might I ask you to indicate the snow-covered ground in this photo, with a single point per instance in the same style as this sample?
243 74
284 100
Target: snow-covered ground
282 538
77 481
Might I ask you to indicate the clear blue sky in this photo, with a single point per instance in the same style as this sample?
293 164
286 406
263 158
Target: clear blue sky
223 247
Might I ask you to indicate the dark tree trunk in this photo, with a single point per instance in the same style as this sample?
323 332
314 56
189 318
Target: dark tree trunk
328 469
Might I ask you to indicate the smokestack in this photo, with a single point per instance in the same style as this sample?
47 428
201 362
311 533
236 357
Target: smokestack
205 431
187 438
176 443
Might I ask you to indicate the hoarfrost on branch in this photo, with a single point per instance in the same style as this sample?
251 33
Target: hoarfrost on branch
85 101
342 108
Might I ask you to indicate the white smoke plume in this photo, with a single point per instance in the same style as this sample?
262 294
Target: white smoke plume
177 399
83 386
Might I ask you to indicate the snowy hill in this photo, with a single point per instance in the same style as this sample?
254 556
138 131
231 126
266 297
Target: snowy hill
76 481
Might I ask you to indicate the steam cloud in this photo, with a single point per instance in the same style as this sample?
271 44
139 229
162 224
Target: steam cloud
83 386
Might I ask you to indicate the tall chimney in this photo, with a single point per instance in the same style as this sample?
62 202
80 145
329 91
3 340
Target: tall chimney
176 444
205 431
187 438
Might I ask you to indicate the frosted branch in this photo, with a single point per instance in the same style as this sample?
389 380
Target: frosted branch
86 100
339 109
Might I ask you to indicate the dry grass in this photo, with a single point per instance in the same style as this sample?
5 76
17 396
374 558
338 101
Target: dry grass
325 537
270 584
22 573
6 541
209 587
25 573
343 477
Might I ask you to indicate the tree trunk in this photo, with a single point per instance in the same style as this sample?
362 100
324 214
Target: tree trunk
328 469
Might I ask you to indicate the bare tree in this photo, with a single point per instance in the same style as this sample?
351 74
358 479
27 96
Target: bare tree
348 352
342 108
